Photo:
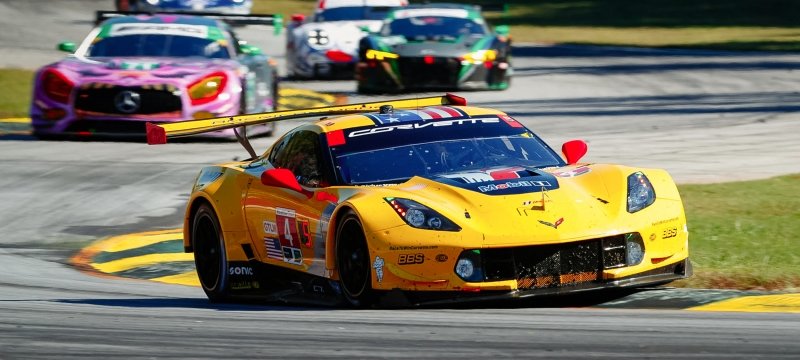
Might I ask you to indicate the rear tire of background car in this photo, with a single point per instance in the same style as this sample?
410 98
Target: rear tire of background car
209 254
353 261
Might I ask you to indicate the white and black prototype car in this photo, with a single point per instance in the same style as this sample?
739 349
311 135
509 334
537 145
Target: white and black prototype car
326 45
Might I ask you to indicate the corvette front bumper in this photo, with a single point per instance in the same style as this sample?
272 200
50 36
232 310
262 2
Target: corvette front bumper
662 275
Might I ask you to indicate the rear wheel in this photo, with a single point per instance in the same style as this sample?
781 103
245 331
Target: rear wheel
353 261
209 254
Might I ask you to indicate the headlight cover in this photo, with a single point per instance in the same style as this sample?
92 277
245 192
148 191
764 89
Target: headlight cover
479 56
420 216
640 192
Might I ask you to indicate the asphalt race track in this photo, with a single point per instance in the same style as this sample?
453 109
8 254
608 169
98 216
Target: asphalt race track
704 116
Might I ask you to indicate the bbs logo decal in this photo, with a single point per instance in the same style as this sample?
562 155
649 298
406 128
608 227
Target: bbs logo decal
409 259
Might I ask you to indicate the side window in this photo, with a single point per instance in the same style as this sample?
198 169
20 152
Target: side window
299 152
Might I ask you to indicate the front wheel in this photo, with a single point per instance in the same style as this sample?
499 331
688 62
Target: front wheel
209 254
353 261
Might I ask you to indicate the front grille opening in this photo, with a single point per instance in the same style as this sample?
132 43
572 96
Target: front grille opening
546 266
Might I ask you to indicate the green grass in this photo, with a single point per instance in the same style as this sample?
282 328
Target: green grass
769 25
744 234
15 92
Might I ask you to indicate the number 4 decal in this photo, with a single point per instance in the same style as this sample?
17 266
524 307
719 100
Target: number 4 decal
287 233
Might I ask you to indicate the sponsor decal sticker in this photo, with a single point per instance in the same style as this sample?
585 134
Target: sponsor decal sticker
378 266
199 31
270 228
513 184
421 247
573 172
441 258
289 236
240 270
669 233
410 259
661 222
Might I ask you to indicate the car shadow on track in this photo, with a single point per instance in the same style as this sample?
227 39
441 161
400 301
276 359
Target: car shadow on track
193 303
586 299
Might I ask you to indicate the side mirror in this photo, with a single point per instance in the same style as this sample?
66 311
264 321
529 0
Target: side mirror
67 47
574 150
283 178
502 30
298 18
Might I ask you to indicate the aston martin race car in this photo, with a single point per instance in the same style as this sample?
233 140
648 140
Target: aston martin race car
158 68
241 7
327 46
434 46
423 200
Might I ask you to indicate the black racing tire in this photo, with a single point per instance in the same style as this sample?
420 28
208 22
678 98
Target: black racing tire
353 261
209 254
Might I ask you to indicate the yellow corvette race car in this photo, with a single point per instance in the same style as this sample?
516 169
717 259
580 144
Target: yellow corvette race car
422 200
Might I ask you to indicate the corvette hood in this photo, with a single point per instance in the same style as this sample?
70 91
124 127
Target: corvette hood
446 47
536 207
138 70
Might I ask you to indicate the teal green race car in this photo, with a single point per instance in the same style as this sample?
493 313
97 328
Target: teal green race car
434 47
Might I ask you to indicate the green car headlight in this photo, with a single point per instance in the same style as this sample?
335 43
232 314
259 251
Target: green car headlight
421 216
640 192
479 56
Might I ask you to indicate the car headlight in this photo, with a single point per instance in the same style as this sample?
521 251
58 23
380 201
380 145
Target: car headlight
469 267
480 56
640 192
380 55
208 88
318 38
634 249
421 216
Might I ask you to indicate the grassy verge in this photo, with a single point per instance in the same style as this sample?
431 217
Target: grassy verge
744 235
15 92
708 24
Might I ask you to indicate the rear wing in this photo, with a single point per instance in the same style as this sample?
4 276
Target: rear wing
159 133
275 20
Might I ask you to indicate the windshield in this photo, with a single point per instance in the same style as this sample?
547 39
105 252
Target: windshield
353 13
432 27
400 163
158 46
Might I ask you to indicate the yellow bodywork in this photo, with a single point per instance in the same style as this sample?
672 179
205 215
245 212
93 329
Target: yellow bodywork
589 204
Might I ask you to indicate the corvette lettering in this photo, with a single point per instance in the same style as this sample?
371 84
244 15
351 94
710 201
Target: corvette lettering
416 126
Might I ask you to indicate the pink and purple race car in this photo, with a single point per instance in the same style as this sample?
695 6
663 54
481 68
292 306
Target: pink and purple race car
161 68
